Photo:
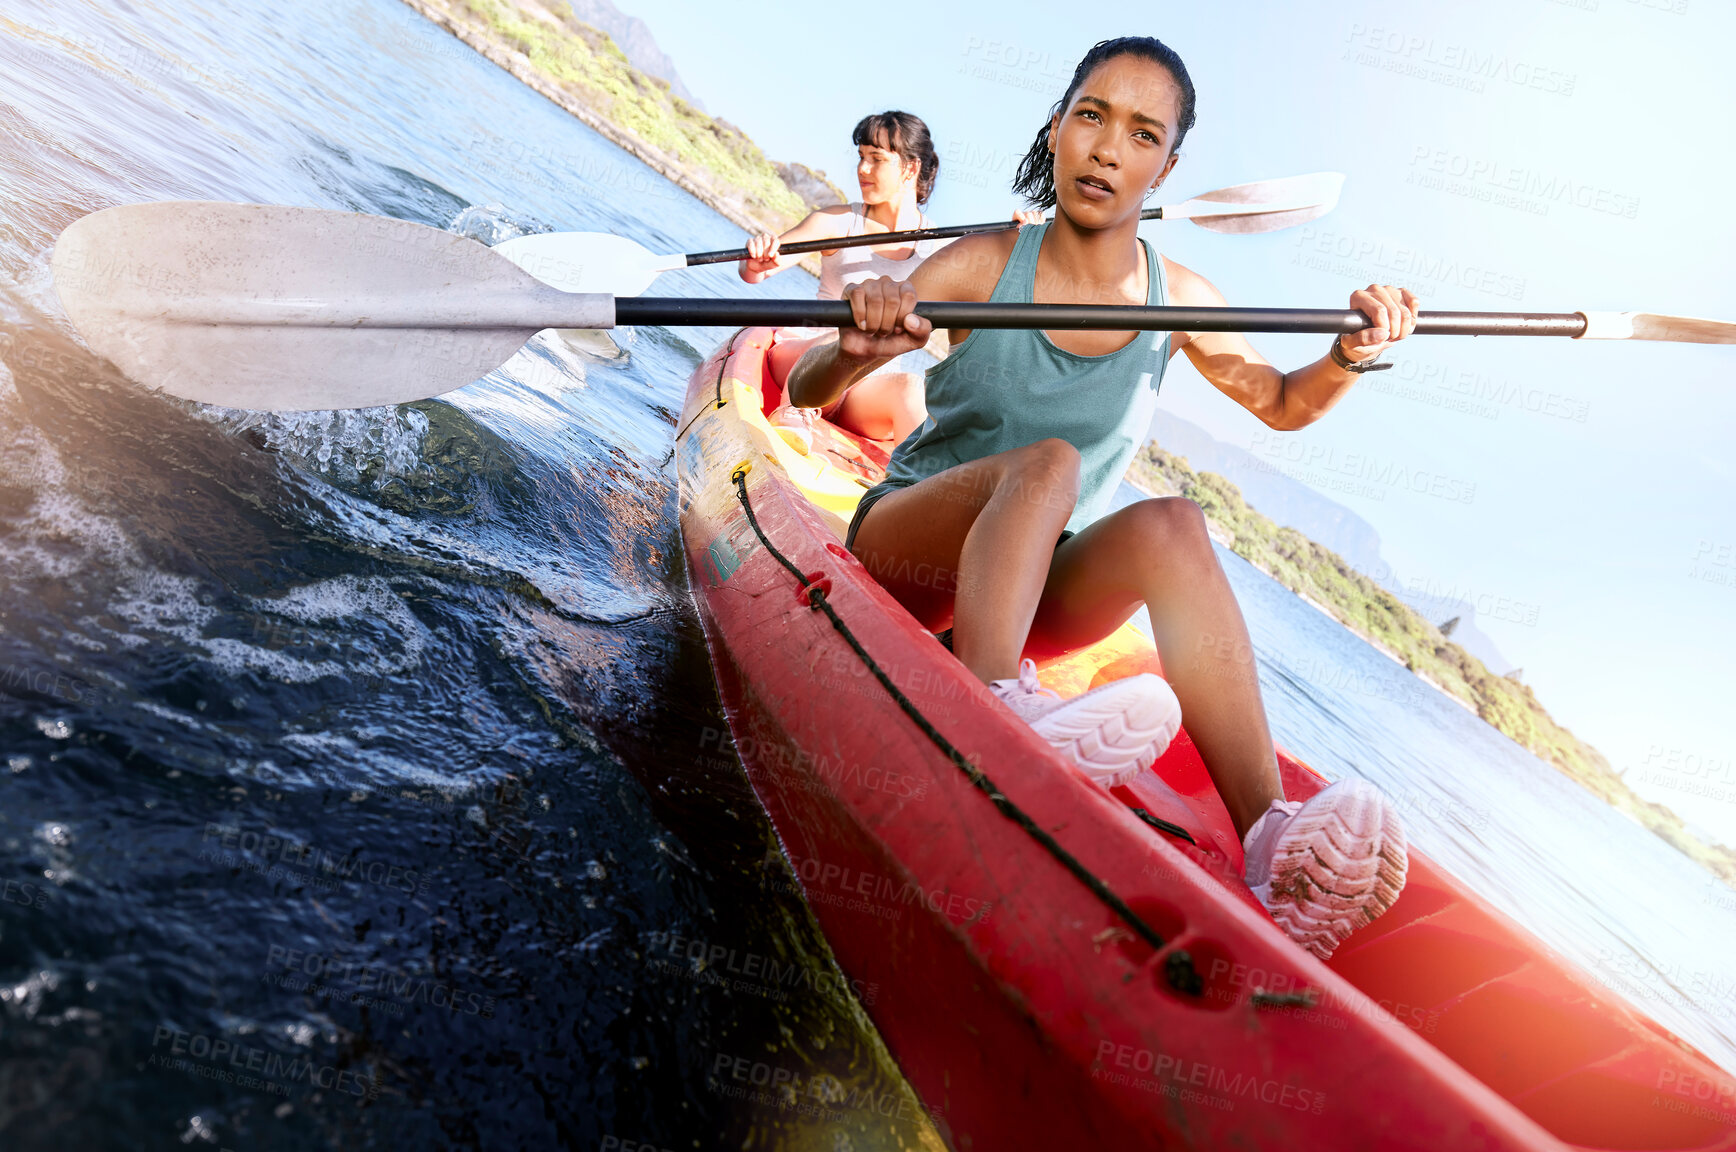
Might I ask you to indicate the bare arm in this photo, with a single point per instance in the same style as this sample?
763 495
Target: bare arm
964 270
1287 400
763 259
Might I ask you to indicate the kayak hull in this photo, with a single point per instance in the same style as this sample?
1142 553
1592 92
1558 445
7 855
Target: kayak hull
1021 1007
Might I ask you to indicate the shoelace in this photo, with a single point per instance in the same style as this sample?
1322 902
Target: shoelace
1030 685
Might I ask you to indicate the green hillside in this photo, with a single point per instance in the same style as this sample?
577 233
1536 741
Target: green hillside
584 71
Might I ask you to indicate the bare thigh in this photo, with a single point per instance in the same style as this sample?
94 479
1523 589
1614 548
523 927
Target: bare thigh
912 539
1104 574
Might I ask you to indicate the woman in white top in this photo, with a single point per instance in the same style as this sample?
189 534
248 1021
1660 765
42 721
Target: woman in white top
895 169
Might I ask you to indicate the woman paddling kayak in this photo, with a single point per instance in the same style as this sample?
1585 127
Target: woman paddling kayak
896 168
1005 488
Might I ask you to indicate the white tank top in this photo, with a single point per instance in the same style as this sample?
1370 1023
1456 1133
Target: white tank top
847 266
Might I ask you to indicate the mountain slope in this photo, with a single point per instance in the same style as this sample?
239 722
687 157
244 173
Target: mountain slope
635 41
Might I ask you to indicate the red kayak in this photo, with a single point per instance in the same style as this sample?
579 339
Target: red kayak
1057 963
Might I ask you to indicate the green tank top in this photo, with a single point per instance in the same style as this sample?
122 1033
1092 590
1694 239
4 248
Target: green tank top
1004 388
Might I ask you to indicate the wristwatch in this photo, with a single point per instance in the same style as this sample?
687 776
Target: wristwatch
1356 366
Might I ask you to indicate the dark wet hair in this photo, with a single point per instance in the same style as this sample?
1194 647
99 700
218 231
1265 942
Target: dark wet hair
906 135
1036 177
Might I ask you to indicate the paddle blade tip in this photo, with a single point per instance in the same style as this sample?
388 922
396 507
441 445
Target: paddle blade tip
1656 326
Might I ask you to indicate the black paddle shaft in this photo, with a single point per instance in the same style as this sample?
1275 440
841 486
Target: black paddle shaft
1056 317
726 255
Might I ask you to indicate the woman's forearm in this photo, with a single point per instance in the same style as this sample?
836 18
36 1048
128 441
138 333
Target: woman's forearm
1308 393
825 373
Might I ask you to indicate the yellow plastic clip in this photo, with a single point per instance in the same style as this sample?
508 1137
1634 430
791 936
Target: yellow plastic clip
741 469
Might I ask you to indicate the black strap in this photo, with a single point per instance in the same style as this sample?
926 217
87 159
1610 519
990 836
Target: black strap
1165 826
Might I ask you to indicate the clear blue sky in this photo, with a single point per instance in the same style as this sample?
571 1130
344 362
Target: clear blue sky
1502 155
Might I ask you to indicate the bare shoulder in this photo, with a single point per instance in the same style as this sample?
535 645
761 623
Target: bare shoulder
1188 288
966 269
832 220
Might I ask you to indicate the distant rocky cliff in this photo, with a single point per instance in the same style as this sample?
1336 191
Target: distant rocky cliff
635 41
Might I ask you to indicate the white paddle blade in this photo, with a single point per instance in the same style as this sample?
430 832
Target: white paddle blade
297 309
589 261
1264 206
1653 326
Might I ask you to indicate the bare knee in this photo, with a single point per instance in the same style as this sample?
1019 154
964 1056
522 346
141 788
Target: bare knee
1052 457
1171 526
1046 472
1052 452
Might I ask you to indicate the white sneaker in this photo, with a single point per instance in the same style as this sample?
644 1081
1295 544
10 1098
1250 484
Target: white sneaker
795 425
1112 733
1328 867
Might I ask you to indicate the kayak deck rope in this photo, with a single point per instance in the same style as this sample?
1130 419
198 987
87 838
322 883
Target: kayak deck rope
1178 966
719 402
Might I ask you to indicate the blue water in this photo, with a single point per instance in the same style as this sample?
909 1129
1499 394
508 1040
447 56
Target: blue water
360 779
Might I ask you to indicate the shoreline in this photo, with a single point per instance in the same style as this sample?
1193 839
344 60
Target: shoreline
728 203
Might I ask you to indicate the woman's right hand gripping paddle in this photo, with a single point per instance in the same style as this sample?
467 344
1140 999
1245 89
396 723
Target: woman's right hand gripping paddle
886 325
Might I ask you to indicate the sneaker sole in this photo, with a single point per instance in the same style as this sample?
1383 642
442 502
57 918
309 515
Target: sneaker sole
1337 867
1114 732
